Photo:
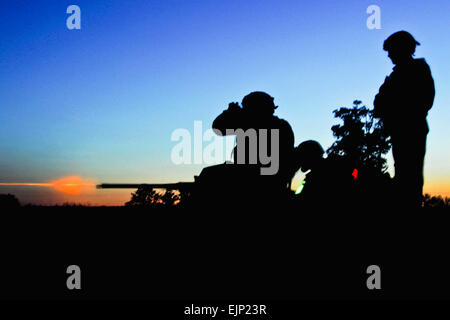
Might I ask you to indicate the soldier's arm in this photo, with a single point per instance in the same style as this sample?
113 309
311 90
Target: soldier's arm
428 90
229 119
381 99
431 92
419 90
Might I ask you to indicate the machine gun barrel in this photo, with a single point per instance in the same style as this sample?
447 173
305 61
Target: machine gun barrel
167 186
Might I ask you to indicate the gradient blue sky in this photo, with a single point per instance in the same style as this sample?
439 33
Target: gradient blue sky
102 102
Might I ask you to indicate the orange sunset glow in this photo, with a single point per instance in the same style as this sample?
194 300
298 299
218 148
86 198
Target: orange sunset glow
71 185
72 189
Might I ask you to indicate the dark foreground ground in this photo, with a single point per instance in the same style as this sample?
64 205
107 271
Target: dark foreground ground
254 256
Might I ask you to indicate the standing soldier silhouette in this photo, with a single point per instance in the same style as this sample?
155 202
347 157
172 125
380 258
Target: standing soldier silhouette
402 103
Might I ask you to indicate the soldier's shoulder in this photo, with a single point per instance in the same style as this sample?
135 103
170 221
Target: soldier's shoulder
420 61
281 123
421 64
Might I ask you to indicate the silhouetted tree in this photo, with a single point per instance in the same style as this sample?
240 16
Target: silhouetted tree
148 197
9 201
184 197
435 201
360 138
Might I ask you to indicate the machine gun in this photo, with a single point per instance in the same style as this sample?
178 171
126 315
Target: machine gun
181 186
223 184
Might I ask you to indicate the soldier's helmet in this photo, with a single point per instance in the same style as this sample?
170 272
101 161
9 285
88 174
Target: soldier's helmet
401 41
307 153
258 102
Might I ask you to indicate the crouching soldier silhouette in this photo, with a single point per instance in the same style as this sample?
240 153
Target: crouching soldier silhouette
402 104
329 182
337 182
260 171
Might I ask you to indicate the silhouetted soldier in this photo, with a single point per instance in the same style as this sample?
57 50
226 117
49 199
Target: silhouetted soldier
257 113
402 104
329 181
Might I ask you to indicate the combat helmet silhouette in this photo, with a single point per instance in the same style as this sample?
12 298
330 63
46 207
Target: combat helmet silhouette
307 154
259 102
401 41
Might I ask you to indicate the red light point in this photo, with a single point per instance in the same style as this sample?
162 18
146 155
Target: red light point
355 174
